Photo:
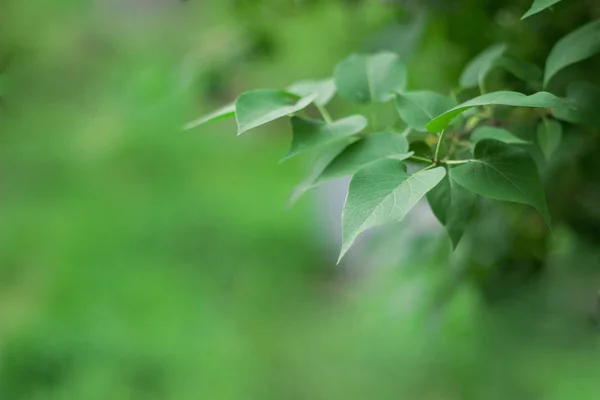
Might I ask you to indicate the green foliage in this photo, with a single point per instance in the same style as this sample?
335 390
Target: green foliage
324 90
417 108
494 133
476 71
539 5
549 135
585 97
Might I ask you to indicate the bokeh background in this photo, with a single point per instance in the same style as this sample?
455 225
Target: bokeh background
141 261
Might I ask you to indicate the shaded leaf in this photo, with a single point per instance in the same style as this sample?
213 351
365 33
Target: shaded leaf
258 107
452 205
481 65
503 172
371 148
585 97
539 99
222 113
539 5
311 133
383 193
549 135
370 78
500 134
524 70
417 108
325 90
578 45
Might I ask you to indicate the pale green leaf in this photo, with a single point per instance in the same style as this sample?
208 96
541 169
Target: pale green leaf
370 78
222 113
503 172
549 135
417 108
383 193
540 99
371 148
311 133
452 205
258 107
492 132
585 97
578 45
481 65
325 90
539 5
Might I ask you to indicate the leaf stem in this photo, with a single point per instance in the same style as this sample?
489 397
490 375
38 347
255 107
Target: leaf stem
417 158
449 162
439 144
324 113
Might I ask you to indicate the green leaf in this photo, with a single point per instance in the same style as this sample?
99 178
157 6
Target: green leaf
452 205
578 45
537 6
503 172
369 149
549 135
383 193
585 97
222 113
417 108
325 90
370 78
258 107
312 133
540 99
491 132
481 65
522 69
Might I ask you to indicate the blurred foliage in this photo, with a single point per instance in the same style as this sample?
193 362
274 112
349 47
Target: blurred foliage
138 261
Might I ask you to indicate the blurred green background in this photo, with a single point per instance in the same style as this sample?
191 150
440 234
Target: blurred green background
140 261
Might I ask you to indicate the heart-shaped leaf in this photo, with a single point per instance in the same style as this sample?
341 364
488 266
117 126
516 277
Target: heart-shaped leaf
539 99
481 65
503 172
452 205
578 45
549 135
585 97
370 78
492 132
539 5
325 90
311 133
258 107
383 193
371 148
222 113
417 108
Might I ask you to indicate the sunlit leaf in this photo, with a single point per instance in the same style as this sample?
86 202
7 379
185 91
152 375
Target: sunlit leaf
383 193
503 172
258 107
539 5
370 78
310 133
492 132
325 90
578 45
549 135
540 99
417 108
222 113
481 65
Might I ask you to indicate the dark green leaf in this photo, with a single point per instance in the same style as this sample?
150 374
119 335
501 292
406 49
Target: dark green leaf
503 172
481 65
417 108
549 135
325 90
585 97
522 69
452 205
491 132
578 45
222 113
370 78
540 99
310 133
539 5
258 107
383 193
371 148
